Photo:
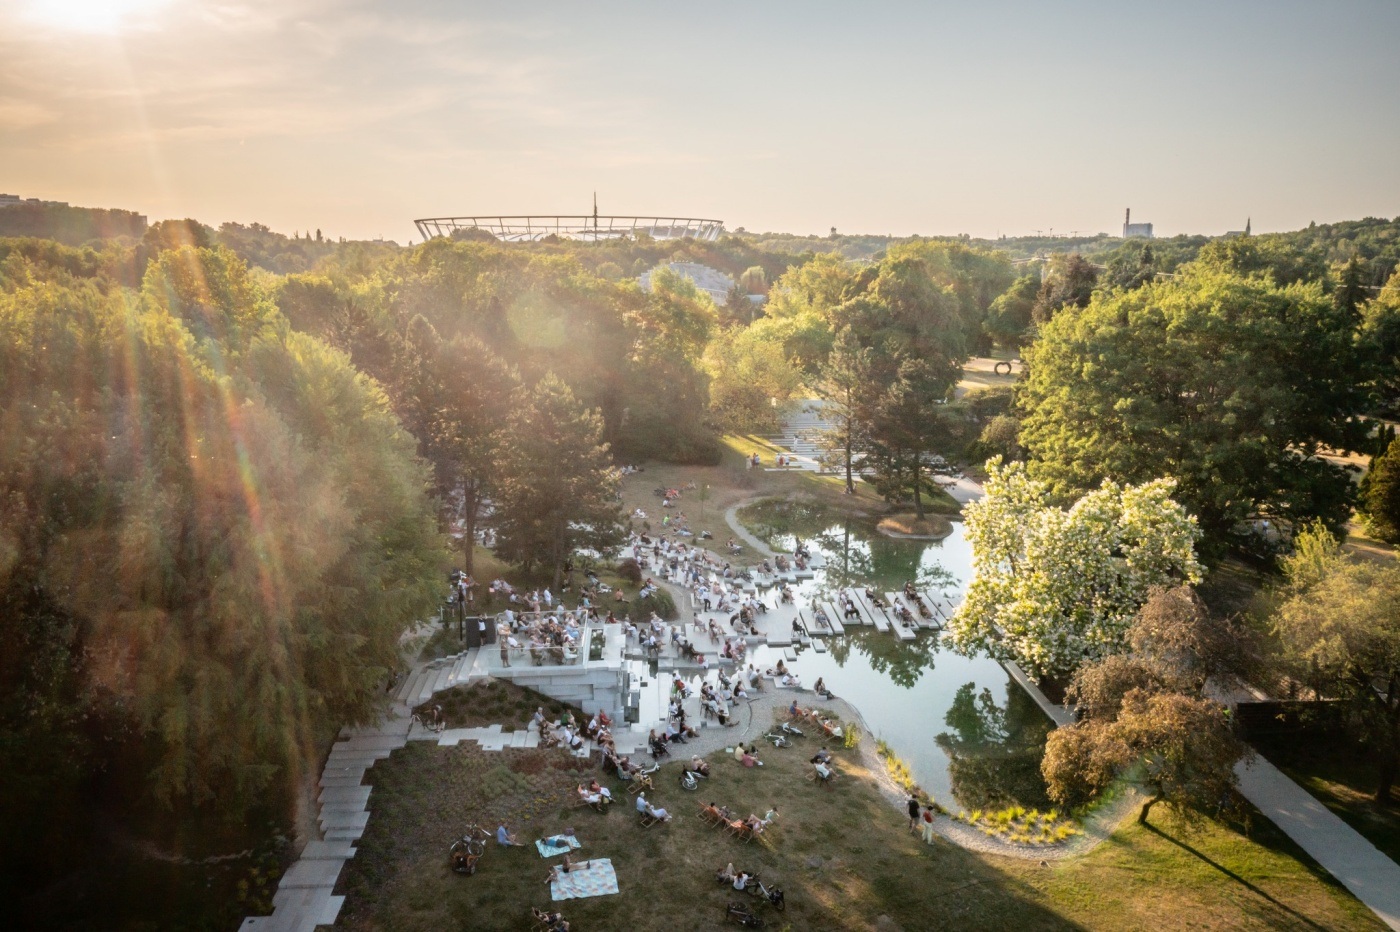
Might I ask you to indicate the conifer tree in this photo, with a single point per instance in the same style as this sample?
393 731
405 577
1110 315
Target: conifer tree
556 484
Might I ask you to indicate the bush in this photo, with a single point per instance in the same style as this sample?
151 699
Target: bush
659 601
630 570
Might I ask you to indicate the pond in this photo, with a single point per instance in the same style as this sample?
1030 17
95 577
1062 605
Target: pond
972 737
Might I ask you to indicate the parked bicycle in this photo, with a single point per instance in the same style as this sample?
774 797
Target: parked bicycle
429 718
467 850
779 741
738 912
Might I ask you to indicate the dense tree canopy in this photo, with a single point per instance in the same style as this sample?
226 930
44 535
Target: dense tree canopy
1145 711
556 489
1054 588
1230 386
1339 631
210 514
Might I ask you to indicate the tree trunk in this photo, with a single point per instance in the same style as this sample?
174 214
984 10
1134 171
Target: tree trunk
918 495
1386 781
1147 807
850 481
470 499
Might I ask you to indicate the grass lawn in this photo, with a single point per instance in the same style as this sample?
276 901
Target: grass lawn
842 855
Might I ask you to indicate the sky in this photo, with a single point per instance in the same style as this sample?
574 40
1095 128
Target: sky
985 118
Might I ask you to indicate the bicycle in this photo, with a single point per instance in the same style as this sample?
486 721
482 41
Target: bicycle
466 851
779 741
690 779
791 730
429 720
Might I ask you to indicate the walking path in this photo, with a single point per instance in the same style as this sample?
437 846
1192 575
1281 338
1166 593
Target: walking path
1371 876
731 518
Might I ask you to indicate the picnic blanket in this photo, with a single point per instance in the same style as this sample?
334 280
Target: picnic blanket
597 879
548 851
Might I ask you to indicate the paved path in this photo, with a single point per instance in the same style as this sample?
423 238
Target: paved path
1371 876
731 518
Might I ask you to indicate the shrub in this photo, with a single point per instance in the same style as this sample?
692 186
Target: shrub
630 570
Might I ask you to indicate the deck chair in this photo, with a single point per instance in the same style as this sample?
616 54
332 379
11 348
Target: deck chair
646 820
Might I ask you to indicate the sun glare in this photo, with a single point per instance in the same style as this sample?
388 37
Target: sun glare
97 16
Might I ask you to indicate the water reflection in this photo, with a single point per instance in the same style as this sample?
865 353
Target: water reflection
990 756
994 751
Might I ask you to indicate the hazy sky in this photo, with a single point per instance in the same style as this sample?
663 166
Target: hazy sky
928 117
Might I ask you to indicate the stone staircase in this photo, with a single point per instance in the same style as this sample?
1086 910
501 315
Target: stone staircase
435 676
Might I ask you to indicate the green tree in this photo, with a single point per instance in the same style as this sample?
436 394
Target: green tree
1009 317
257 512
751 380
1339 632
1382 494
1069 282
844 386
556 490
1380 333
1230 386
1054 588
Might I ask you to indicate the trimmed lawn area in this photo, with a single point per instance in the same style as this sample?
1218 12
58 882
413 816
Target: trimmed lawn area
842 854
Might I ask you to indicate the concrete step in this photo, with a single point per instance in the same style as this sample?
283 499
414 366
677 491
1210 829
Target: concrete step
327 850
345 796
321 872
333 820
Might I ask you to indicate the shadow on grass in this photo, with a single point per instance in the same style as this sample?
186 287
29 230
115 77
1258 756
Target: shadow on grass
1232 875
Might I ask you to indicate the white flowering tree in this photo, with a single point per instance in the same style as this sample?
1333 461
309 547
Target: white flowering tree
1056 587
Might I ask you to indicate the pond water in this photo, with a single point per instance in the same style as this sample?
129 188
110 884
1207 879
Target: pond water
969 733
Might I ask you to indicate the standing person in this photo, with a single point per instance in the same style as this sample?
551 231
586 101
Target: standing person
928 824
913 813
505 647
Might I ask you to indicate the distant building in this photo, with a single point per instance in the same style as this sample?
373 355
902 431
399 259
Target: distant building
14 200
1135 229
1245 232
711 281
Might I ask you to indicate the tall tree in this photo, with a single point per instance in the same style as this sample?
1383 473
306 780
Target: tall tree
1232 387
1339 630
1146 710
1382 494
845 387
556 489
1054 588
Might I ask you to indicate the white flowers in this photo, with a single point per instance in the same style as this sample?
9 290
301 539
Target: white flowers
1053 588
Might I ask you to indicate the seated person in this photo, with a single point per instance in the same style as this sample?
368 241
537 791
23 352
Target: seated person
831 728
754 823
739 752
726 874
793 710
823 771
658 812
713 810
821 689
791 679
698 765
769 816
742 880
749 760
643 806
504 837
822 756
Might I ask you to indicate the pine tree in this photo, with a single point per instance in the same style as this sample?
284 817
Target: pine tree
1383 494
556 487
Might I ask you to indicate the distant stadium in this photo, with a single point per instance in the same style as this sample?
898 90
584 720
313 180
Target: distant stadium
587 227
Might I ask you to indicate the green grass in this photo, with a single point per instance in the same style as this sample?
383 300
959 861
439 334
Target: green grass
842 854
